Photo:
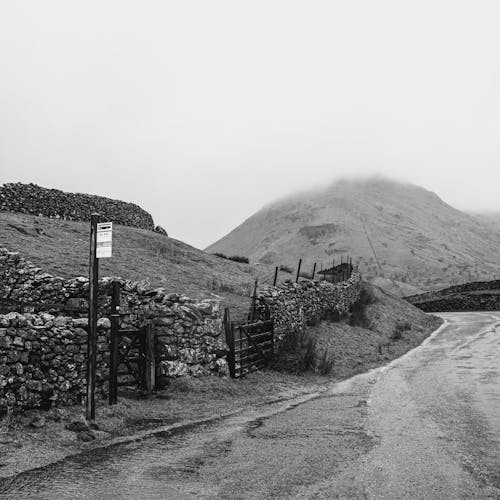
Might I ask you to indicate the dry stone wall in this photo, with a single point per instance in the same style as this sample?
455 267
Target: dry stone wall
294 306
42 359
475 296
36 200
42 352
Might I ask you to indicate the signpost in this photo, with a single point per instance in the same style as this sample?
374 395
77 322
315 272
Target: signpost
100 247
104 240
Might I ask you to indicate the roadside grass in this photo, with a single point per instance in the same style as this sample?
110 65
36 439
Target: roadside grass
381 327
197 398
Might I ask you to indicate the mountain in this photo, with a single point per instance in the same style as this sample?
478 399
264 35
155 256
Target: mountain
401 233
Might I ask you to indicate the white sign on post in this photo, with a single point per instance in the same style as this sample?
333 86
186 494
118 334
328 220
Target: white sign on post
104 239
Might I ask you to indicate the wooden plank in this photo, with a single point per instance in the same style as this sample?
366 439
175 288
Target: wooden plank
231 357
263 345
256 336
150 359
255 345
266 322
131 331
113 350
254 355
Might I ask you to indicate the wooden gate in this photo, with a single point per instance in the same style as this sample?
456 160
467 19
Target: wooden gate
132 353
251 345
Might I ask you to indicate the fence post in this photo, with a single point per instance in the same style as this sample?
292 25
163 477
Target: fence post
314 271
298 271
231 357
251 315
275 276
113 348
149 357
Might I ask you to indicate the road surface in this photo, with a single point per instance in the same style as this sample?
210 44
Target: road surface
425 426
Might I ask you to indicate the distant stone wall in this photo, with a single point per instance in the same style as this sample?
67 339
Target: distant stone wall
42 353
36 200
294 306
475 296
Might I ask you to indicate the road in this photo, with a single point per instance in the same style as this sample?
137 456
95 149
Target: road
425 426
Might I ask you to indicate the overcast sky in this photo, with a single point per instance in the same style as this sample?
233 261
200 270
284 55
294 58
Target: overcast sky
203 111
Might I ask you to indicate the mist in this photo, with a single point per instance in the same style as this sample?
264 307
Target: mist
203 112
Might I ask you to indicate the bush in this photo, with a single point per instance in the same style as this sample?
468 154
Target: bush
399 329
221 255
286 269
239 258
358 310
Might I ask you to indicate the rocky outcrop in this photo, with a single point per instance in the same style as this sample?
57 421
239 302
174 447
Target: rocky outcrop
36 200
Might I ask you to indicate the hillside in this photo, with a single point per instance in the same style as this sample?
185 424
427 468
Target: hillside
398 232
381 327
61 248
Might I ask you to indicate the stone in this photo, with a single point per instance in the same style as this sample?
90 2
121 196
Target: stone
81 322
46 317
77 426
174 369
38 422
5 342
34 385
104 323
86 436
6 439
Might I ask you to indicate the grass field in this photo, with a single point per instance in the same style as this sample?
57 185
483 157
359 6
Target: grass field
61 248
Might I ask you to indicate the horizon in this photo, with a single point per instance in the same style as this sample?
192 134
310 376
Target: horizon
369 178
203 114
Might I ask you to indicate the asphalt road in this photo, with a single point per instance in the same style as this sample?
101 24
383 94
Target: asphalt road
425 426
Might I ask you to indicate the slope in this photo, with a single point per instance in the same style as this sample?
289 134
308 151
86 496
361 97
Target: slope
60 247
396 231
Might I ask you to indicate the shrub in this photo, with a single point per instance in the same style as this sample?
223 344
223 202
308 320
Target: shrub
221 255
358 310
286 269
399 329
239 258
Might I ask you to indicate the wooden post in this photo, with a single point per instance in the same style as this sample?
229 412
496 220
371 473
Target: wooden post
231 356
227 324
314 271
254 299
298 271
276 276
113 348
92 330
149 358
